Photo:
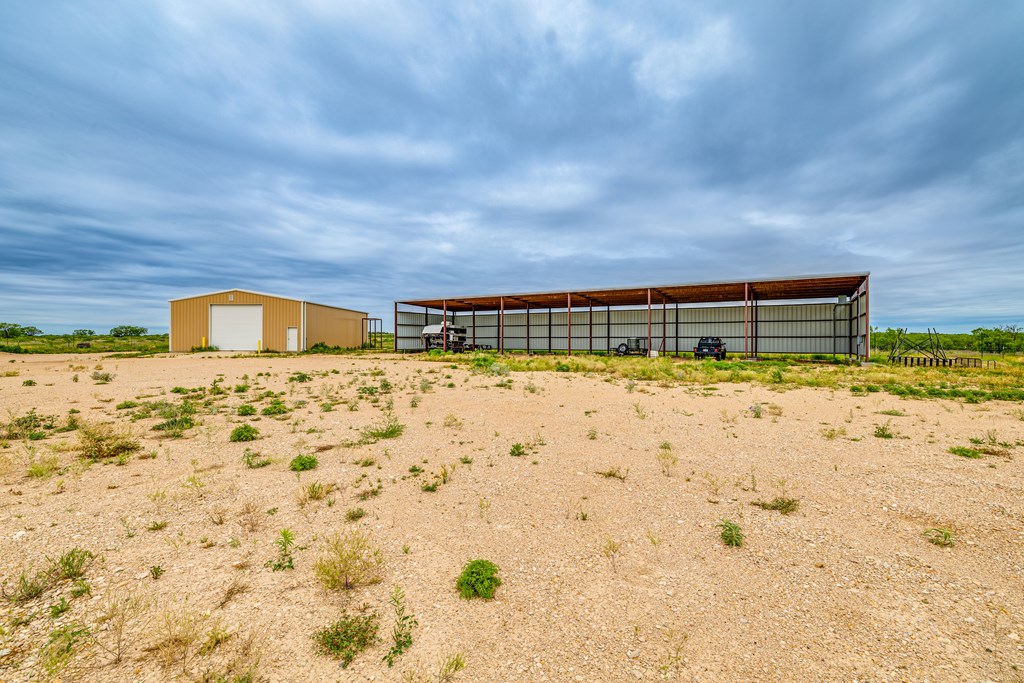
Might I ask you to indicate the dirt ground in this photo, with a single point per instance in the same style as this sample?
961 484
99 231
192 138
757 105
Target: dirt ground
847 588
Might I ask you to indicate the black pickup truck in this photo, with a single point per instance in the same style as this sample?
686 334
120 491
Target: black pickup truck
710 346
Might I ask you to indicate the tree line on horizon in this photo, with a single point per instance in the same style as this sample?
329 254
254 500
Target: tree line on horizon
1005 339
12 331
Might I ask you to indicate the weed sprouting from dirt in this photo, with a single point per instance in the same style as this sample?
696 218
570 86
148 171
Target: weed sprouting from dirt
401 632
244 433
611 549
731 533
348 636
667 460
253 460
786 506
942 537
884 431
302 463
965 452
614 472
349 559
98 442
479 579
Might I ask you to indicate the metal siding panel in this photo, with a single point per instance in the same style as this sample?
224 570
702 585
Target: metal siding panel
334 326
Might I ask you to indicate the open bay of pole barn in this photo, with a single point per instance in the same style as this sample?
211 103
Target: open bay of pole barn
865 549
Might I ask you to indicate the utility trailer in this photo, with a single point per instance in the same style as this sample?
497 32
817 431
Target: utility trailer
633 346
433 337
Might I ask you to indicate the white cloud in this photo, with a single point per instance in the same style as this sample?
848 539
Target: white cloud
671 70
548 187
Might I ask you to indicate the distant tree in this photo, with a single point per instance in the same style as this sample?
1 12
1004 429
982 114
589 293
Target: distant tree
30 331
83 333
128 331
10 330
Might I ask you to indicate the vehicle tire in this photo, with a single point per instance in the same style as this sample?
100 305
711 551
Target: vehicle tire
621 350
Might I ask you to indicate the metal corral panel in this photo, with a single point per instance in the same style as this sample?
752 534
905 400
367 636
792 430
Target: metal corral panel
333 326
190 318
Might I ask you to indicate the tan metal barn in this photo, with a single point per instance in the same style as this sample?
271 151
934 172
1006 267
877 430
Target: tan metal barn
240 320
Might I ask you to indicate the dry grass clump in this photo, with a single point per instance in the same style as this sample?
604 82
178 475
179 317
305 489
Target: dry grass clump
349 560
122 619
102 441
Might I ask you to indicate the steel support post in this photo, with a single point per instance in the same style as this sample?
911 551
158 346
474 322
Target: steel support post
444 326
867 318
648 322
677 329
568 324
527 329
663 319
746 320
501 326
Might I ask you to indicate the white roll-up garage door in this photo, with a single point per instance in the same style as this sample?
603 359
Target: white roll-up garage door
236 328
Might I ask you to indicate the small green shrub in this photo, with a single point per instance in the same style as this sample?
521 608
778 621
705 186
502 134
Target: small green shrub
401 633
349 560
391 428
940 537
30 587
479 579
246 409
355 514
301 463
786 506
614 473
71 565
284 560
965 452
884 431
347 637
102 441
60 608
731 535
299 377
517 450
244 433
276 407
253 460
28 383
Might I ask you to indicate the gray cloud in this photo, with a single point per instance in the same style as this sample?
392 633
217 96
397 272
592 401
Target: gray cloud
353 154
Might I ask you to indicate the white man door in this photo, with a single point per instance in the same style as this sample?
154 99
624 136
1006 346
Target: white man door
293 339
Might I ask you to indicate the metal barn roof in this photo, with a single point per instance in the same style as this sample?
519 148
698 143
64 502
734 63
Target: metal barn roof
796 287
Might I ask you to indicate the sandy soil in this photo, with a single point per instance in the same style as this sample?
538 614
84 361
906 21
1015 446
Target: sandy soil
845 589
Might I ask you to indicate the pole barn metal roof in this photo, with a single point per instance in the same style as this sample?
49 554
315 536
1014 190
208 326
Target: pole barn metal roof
797 287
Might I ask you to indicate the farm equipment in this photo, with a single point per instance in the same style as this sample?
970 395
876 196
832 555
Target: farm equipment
633 346
433 337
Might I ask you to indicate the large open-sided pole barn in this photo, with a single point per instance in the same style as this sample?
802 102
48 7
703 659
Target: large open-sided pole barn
820 314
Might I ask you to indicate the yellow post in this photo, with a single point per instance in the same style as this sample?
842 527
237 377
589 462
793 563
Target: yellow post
259 346
204 342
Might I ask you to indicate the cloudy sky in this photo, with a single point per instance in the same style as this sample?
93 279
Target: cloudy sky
358 152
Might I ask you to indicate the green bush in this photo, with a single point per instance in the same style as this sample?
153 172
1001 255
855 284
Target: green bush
301 463
732 535
478 579
348 636
245 433
246 409
276 407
